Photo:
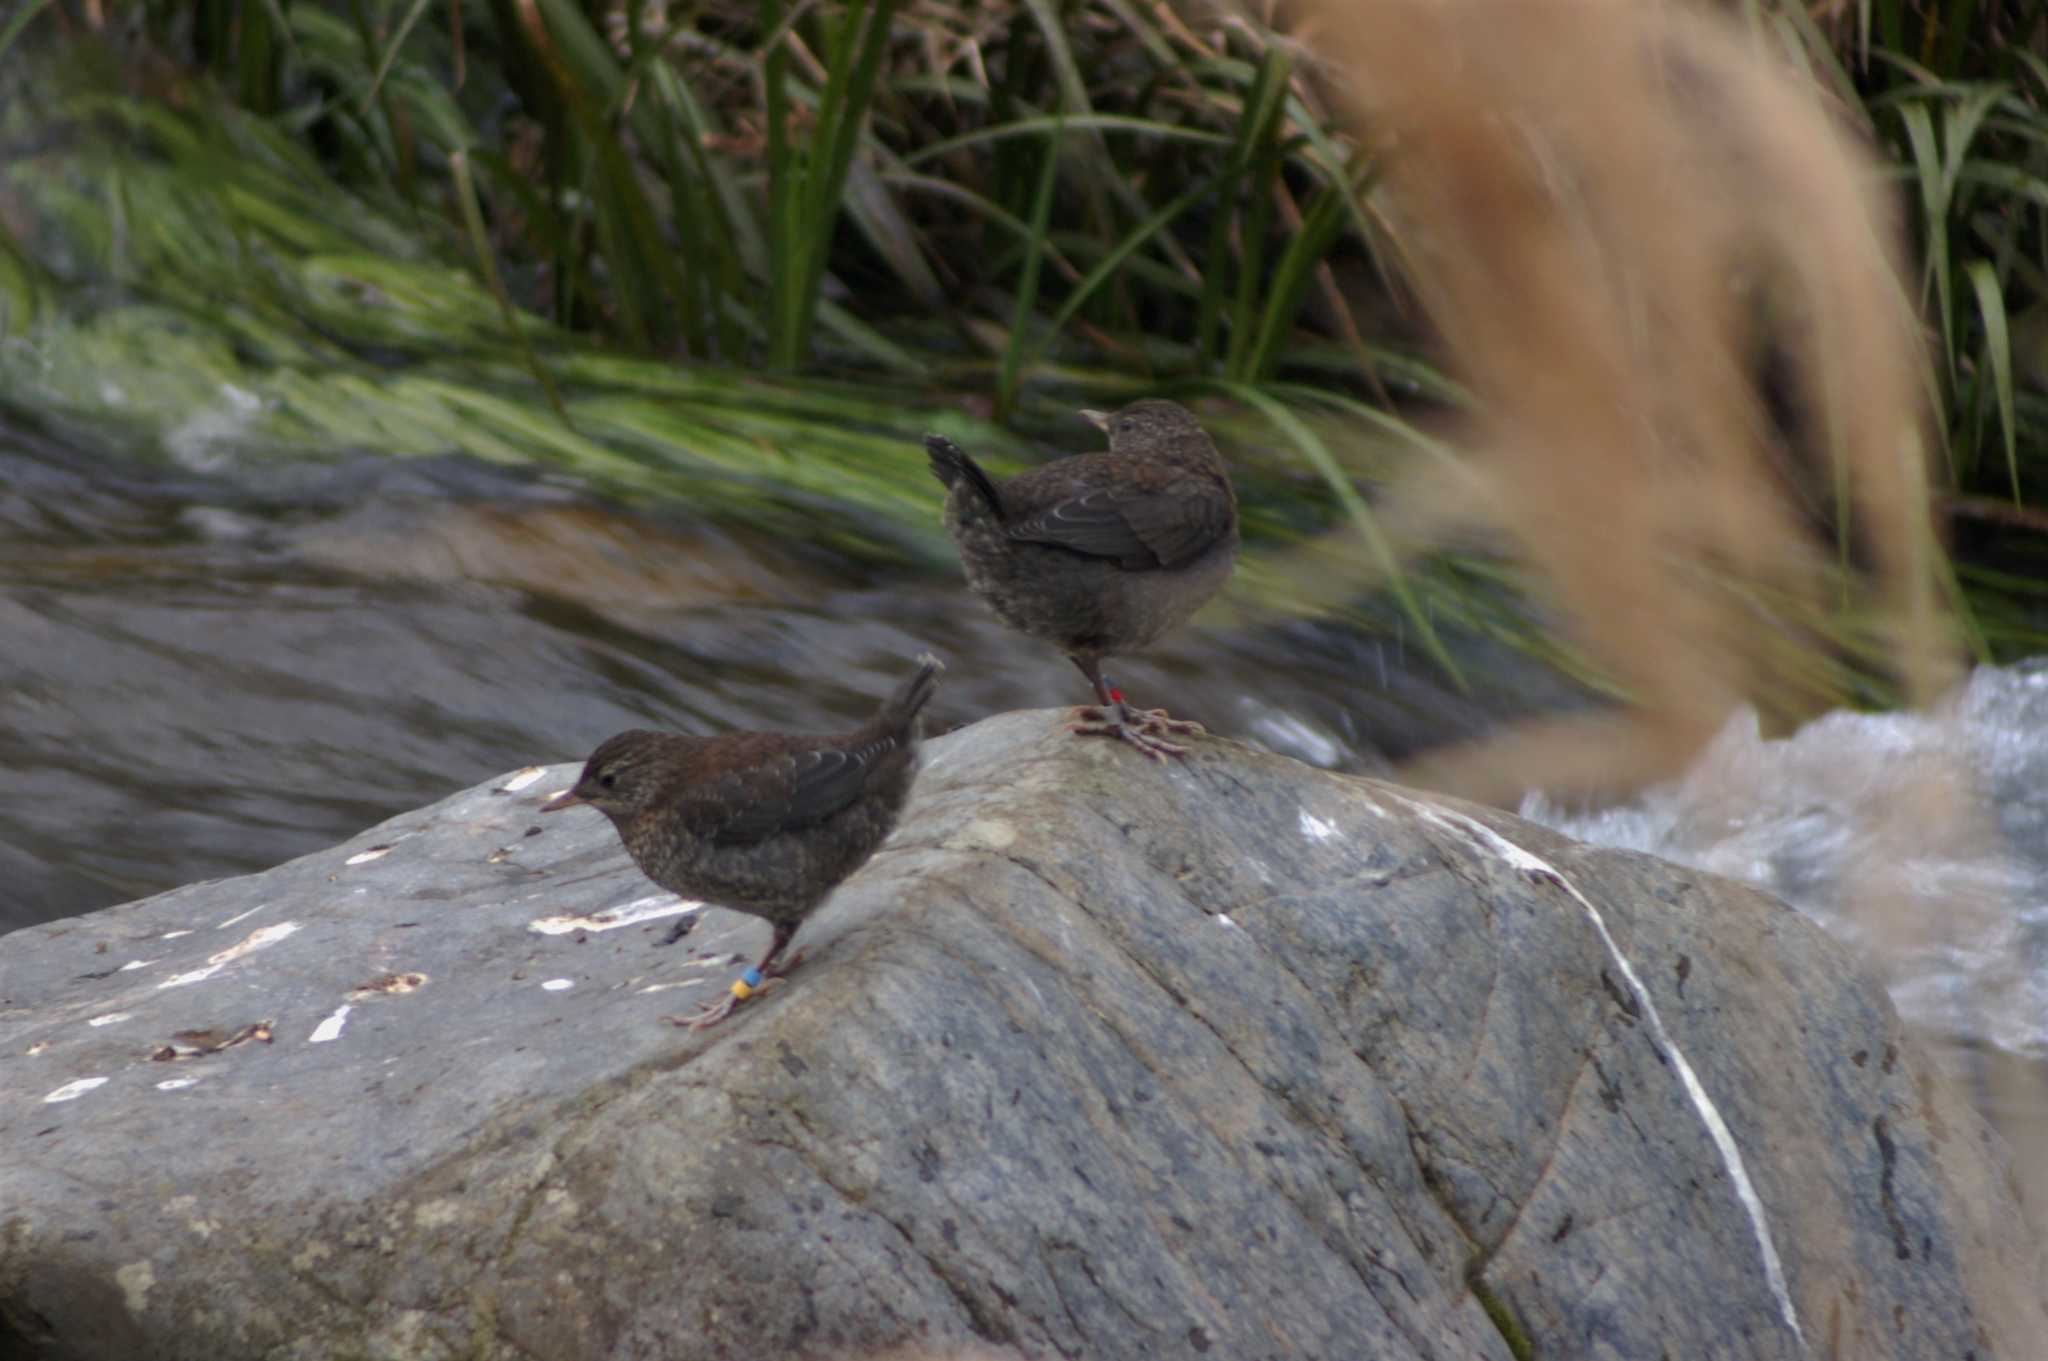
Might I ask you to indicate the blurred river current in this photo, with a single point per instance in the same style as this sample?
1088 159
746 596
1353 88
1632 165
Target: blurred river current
209 668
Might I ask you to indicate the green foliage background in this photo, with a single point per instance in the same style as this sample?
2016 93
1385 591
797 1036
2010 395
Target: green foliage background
744 255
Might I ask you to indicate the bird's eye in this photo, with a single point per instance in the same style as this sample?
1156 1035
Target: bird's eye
1126 425
608 780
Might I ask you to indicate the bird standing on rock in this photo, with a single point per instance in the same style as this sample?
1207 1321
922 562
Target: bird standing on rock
764 823
1100 554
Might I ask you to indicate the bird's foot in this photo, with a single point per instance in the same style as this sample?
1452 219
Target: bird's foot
710 1014
782 966
752 983
1157 721
1140 728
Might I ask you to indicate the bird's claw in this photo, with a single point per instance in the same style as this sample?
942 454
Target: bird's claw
711 1013
1141 728
1157 721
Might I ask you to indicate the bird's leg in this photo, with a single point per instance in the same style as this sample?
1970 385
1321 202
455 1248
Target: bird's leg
768 967
1091 667
1148 721
1142 728
763 976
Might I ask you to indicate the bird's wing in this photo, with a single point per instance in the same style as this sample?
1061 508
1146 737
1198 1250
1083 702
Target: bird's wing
1167 518
792 788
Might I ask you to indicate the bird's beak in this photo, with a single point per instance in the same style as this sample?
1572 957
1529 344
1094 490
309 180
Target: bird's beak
566 799
1099 419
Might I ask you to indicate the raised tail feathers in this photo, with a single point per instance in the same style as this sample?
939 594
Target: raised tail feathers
951 465
899 712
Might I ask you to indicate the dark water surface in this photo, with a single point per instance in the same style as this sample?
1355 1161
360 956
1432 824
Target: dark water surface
204 672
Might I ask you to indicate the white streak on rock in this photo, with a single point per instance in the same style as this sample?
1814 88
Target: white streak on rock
559 984
1313 826
255 940
111 1018
1710 1115
241 916
145 963
364 857
520 779
172 1084
330 1029
173 935
71 1091
652 908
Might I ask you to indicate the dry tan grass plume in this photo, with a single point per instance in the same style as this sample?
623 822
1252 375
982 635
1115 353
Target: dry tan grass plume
1619 216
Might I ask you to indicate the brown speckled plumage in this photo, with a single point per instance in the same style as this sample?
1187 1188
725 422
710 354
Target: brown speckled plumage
1100 554
761 822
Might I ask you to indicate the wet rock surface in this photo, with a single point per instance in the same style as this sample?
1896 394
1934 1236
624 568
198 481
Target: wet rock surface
1095 1058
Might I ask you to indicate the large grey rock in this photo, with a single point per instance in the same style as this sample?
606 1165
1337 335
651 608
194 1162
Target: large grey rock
1096 1058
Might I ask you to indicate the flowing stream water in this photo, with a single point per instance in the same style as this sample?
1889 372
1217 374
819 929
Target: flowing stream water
210 667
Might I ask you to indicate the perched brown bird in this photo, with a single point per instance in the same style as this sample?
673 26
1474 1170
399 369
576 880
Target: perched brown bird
1100 553
765 823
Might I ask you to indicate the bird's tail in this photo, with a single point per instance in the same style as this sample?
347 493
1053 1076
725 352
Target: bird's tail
899 711
951 464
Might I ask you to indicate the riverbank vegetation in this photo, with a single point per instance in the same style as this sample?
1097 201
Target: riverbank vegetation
743 255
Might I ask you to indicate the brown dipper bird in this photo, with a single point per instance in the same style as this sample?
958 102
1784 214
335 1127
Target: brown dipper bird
1100 553
765 823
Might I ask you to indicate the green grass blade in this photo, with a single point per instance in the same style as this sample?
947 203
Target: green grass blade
1960 125
644 277
1320 227
1106 268
1930 177
843 111
1818 52
390 55
1027 284
784 186
12 29
1311 446
1257 162
1998 349
1035 125
480 243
